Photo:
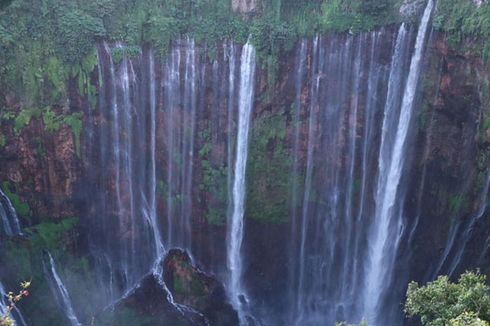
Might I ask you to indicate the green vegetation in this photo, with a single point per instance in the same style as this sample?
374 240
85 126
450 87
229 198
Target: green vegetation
20 206
462 20
456 203
214 183
442 303
268 171
125 316
52 122
23 119
49 235
3 141
47 42
75 123
25 258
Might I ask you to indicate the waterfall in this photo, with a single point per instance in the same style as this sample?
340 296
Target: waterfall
152 205
308 180
235 223
346 235
352 106
230 116
10 220
11 227
59 290
180 112
189 125
324 282
15 314
387 222
300 72
460 235
171 88
127 241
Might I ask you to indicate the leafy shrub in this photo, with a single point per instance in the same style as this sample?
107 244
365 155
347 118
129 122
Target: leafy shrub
119 53
51 121
23 120
442 303
78 32
75 123
49 235
462 19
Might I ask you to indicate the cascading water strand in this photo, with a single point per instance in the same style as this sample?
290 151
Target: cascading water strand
235 222
387 221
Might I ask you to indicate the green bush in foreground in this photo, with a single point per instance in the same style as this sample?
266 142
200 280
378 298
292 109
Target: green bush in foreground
443 303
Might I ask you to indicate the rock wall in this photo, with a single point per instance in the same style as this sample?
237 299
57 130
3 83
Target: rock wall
450 157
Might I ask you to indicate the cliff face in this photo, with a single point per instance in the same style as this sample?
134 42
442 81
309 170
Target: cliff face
451 170
43 168
169 126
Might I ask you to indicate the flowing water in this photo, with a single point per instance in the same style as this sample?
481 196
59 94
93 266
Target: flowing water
345 259
11 227
59 290
8 215
180 117
235 225
352 116
459 236
388 223
151 109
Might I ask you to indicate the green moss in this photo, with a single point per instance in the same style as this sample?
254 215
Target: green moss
20 207
160 30
40 150
197 288
23 119
49 235
457 203
216 216
214 184
19 259
75 123
268 179
125 316
57 75
178 286
125 52
52 122
82 73
3 141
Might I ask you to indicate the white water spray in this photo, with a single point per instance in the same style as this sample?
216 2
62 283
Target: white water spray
235 222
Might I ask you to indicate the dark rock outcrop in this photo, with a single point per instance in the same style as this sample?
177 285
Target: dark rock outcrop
198 299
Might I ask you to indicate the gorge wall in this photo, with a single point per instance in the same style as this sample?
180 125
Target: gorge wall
157 163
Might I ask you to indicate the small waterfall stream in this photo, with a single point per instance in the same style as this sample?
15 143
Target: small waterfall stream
235 226
11 227
459 236
59 290
10 220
